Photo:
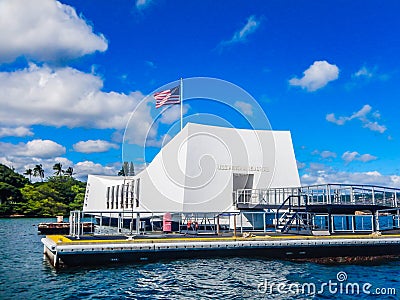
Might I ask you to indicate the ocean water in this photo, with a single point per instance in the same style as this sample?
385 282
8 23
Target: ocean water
25 274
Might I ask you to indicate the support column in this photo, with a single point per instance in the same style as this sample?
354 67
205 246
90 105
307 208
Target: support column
218 225
234 226
264 221
101 222
119 223
241 222
375 221
138 223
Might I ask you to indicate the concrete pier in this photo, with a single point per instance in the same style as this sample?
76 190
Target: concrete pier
64 251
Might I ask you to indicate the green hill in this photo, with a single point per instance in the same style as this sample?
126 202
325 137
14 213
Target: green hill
57 195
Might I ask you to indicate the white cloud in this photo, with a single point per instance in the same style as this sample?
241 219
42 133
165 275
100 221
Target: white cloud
316 76
363 116
24 156
374 126
15 131
21 163
45 30
366 157
348 157
363 72
328 154
150 64
244 107
82 169
43 149
65 97
241 35
94 146
34 148
322 174
172 113
141 4
68 97
300 165
366 75
159 143
362 113
324 154
339 121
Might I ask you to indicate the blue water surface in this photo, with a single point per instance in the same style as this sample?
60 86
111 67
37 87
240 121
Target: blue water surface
25 274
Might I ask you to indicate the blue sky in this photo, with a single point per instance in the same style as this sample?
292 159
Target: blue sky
72 71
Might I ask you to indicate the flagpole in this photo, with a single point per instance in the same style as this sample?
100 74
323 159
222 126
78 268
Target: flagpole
181 89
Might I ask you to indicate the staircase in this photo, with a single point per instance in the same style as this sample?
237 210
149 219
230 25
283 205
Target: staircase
284 219
295 219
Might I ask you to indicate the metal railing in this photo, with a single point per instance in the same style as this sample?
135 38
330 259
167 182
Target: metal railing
343 194
326 194
130 224
388 219
352 223
305 221
274 196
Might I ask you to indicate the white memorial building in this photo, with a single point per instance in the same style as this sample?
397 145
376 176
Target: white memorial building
204 169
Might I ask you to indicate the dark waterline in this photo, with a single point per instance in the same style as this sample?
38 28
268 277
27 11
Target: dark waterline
25 274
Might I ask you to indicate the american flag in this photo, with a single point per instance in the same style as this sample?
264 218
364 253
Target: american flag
171 96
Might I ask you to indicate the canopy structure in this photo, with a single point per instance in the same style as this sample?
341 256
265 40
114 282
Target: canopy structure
200 170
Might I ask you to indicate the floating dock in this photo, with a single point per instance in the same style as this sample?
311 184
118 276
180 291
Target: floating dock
66 251
62 228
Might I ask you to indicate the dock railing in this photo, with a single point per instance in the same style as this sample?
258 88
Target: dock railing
141 223
388 219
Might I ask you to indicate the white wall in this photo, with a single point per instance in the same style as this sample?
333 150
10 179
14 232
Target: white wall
194 171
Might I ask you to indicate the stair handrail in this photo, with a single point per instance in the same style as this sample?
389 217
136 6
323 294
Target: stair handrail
285 228
296 215
288 199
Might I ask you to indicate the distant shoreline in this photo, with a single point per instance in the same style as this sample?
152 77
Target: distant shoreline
24 216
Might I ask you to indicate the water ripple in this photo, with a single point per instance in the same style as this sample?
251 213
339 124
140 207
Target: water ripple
24 274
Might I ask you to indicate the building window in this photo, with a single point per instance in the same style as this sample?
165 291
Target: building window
137 192
112 197
122 196
108 197
131 193
127 195
116 197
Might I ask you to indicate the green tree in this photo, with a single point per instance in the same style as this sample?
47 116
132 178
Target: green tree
43 200
9 193
121 172
29 172
55 196
38 171
79 190
11 177
69 172
10 196
10 199
58 169
131 169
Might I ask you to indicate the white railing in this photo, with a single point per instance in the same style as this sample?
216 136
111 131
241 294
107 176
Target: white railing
332 194
343 194
253 197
